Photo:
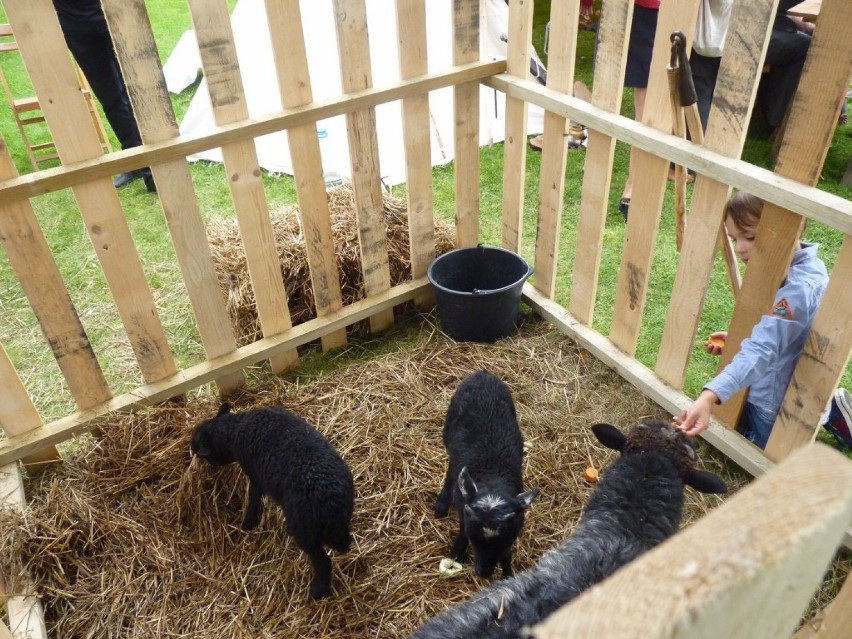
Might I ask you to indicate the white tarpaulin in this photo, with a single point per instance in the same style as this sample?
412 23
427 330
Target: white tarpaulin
254 52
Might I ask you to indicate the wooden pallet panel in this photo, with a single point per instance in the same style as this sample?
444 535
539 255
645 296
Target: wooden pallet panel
727 126
227 97
291 64
607 92
466 19
650 174
515 140
416 126
49 65
560 77
356 74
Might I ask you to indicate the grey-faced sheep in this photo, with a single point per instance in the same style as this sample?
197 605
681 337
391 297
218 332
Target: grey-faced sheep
484 477
636 505
285 457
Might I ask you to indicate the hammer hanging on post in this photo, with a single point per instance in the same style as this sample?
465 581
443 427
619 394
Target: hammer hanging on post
685 110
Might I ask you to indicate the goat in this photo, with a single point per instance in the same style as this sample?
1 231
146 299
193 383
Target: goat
484 477
636 505
288 459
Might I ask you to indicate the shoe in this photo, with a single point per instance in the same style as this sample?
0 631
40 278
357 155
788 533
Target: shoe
839 419
624 206
126 178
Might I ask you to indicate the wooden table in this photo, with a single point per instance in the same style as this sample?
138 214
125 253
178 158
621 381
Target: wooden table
808 10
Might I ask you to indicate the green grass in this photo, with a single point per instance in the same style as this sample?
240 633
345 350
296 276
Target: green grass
60 219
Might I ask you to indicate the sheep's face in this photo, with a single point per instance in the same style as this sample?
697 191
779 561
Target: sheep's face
491 522
208 444
663 437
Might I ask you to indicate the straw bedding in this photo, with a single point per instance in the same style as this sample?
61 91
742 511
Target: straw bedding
230 260
128 538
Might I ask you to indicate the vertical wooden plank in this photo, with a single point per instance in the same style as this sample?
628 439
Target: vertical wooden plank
821 365
649 184
33 263
560 77
140 65
26 615
17 412
291 65
747 570
607 92
515 140
227 96
727 125
49 65
466 25
356 74
413 61
834 621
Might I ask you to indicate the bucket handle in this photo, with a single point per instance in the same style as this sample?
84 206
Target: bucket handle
530 271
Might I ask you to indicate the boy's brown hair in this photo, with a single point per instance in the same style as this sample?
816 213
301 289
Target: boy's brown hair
744 209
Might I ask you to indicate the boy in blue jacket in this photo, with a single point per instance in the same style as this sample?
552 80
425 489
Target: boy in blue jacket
767 358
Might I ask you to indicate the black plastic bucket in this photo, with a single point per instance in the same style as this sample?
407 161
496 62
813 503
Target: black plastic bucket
478 292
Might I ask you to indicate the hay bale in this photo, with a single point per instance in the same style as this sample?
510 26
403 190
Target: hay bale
230 259
127 538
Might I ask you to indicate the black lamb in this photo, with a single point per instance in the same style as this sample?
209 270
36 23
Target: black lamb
484 477
636 505
288 459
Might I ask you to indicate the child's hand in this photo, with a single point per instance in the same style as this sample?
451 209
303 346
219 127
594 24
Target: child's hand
696 418
716 342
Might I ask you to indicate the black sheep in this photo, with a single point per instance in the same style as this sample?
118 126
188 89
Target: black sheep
484 477
288 459
636 505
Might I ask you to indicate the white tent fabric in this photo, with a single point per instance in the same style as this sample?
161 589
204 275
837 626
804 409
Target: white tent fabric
254 52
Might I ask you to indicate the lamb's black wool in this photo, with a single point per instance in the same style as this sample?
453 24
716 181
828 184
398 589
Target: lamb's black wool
484 478
636 505
288 459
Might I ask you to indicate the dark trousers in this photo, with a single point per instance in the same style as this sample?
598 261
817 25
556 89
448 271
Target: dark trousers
786 55
704 73
92 48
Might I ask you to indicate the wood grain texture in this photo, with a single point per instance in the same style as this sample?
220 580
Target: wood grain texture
229 104
291 65
356 75
43 48
607 92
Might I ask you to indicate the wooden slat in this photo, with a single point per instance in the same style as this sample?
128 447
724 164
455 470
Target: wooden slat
26 615
727 125
607 92
137 53
466 24
18 414
356 74
40 279
227 97
413 62
195 376
515 140
721 577
832 622
560 77
649 183
821 365
291 64
811 122
49 65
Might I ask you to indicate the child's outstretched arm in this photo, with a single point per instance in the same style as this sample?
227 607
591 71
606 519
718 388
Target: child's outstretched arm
696 418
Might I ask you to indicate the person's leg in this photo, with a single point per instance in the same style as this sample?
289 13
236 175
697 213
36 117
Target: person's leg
704 73
639 94
755 424
785 54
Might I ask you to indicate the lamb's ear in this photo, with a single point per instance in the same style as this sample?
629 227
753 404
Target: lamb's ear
705 482
466 484
528 497
609 436
224 409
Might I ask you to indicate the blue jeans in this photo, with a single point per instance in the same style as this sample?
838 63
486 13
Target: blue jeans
755 424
